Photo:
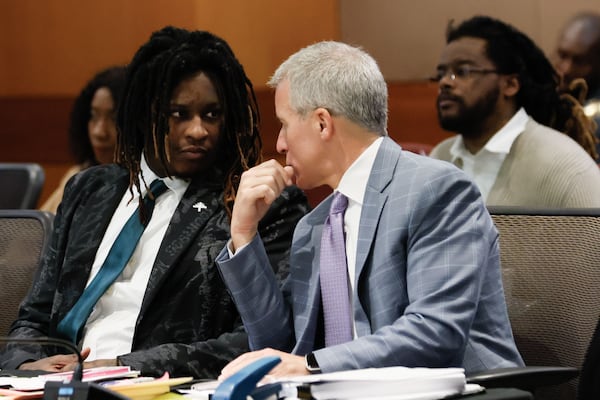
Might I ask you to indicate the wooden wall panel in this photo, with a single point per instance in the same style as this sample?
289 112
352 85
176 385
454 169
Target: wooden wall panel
34 128
50 48
54 47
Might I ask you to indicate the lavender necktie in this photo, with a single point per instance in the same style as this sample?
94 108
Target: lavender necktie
334 275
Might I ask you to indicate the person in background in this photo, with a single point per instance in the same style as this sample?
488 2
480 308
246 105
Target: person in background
398 267
92 129
577 56
499 92
188 128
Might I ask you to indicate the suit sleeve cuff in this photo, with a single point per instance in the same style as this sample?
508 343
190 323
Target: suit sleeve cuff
231 252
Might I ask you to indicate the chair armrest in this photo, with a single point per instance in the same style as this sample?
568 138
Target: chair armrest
526 378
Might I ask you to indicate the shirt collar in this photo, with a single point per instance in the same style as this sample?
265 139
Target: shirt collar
174 183
354 181
502 140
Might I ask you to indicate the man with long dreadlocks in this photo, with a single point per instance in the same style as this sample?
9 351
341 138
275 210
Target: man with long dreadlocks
500 93
188 128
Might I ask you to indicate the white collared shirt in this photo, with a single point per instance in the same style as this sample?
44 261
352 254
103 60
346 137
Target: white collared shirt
120 305
484 166
354 185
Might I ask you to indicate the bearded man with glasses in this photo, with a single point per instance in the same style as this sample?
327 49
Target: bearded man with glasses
500 93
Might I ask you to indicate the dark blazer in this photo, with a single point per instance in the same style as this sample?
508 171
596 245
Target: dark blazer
188 324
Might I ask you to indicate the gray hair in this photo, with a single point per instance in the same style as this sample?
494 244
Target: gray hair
341 78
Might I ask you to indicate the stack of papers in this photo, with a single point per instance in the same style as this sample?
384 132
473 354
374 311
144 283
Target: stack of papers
89 375
118 379
386 383
392 383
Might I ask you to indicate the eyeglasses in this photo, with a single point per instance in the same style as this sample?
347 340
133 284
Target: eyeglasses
462 72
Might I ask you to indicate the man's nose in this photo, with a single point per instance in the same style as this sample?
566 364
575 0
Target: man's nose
448 79
196 128
281 145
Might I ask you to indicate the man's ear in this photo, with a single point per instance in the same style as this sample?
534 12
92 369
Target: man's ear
511 85
325 122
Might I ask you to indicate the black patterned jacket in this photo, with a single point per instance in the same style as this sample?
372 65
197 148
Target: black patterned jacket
188 324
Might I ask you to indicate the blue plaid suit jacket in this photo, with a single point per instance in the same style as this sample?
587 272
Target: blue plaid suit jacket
428 289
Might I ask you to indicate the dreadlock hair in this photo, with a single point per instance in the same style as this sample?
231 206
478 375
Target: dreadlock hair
113 79
170 56
512 52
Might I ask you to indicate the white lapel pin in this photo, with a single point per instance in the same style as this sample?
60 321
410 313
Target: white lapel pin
199 206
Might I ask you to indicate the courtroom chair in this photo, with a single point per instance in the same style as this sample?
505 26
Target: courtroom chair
551 274
21 185
24 237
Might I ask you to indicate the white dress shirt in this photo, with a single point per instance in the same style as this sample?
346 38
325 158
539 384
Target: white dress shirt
354 185
484 166
109 329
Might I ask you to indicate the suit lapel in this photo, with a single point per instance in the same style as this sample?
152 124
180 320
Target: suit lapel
374 200
183 228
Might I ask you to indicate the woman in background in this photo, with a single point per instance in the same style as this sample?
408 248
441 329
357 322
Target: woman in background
92 129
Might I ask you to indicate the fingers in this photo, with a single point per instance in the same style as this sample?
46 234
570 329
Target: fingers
85 352
61 359
258 189
268 179
290 365
53 364
244 360
70 366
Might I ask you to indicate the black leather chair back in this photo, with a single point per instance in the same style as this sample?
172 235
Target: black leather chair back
21 185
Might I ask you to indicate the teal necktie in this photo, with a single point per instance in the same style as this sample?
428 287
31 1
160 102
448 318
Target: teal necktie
118 256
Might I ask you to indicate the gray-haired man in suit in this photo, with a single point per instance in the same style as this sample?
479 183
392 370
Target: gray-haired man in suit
422 252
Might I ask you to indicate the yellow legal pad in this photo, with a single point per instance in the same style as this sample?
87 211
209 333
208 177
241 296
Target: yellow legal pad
148 390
